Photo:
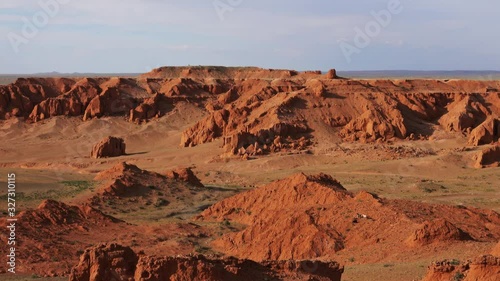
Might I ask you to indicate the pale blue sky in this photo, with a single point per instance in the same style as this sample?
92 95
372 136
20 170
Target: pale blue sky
137 35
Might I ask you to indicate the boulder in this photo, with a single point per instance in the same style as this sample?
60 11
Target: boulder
108 147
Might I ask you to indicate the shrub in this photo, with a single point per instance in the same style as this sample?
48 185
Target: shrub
459 276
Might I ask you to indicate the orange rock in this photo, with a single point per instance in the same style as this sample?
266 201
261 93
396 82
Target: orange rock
109 147
314 216
105 262
332 74
486 133
111 261
488 157
437 231
484 268
186 175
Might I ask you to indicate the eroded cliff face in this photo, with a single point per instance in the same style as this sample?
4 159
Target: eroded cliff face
257 111
114 262
484 268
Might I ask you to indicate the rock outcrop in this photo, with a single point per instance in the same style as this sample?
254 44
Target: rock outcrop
185 174
57 214
127 186
484 268
110 102
51 107
486 133
105 262
248 108
109 147
439 230
125 181
488 157
314 216
115 262
464 114
150 108
332 74
373 125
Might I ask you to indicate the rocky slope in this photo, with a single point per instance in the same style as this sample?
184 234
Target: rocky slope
484 268
315 217
488 157
52 236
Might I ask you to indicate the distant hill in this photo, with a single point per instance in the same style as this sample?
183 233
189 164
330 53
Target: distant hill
369 74
405 74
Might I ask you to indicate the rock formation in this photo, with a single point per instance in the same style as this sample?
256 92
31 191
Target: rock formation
332 74
58 214
439 230
146 111
484 268
486 133
105 262
248 108
488 157
115 262
109 147
314 216
126 185
48 235
125 181
186 175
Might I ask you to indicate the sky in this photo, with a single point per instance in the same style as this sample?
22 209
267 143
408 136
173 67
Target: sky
135 36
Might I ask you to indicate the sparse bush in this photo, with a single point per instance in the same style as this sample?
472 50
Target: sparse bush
226 222
459 276
201 250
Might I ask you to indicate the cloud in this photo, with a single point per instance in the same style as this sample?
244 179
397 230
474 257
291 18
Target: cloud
280 32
